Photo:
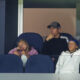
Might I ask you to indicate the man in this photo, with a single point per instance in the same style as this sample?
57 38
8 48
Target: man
55 32
69 60
56 42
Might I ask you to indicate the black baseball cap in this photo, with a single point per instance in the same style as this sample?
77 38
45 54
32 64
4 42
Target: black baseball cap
54 25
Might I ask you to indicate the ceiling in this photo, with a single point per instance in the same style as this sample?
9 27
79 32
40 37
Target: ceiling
49 3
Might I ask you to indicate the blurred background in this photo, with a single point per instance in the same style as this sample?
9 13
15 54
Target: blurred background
18 16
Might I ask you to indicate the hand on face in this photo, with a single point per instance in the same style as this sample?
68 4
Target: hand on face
54 33
18 48
23 52
50 36
17 53
22 46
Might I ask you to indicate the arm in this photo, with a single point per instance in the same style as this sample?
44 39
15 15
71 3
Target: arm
12 51
49 37
60 63
33 51
16 53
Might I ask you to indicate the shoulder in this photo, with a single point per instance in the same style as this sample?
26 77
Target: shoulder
78 51
65 53
66 36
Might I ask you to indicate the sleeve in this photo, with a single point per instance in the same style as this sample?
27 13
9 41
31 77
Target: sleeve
45 47
12 51
60 63
33 52
69 36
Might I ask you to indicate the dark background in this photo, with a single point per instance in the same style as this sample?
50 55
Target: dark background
2 26
11 23
50 3
8 24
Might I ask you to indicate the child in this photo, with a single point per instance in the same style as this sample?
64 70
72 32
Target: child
69 61
23 50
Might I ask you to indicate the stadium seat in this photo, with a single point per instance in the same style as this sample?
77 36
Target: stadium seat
10 64
34 40
39 64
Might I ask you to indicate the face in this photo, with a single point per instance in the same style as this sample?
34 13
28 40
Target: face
22 45
55 31
72 46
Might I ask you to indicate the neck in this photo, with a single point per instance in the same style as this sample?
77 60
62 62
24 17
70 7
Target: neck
72 51
57 36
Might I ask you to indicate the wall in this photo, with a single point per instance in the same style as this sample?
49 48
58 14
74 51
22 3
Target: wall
37 19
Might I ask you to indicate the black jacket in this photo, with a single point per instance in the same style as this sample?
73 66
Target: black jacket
54 47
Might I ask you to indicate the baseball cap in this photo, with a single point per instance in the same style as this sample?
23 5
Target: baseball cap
54 24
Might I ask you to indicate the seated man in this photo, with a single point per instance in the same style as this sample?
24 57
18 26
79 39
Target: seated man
69 60
56 42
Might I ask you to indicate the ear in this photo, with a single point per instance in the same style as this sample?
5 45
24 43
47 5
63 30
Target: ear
76 46
60 30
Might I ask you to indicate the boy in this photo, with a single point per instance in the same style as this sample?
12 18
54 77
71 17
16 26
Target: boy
69 61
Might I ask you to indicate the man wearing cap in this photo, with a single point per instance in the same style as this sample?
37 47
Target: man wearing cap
69 60
55 29
56 42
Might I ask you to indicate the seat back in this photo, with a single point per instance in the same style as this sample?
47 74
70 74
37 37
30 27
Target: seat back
10 64
33 39
39 64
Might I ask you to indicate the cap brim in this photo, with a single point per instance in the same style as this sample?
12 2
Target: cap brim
49 26
52 26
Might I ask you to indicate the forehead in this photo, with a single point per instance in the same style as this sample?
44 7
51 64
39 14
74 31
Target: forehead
51 28
72 42
21 42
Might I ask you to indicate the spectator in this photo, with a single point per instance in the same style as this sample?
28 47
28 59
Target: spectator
23 50
56 42
69 60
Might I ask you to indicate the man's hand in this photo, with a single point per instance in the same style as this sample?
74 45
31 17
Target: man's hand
50 36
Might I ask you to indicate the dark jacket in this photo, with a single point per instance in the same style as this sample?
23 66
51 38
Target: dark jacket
54 47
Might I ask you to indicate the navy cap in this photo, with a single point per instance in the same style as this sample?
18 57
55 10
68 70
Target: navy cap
76 41
54 24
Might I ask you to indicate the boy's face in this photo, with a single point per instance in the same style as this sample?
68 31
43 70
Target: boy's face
22 45
55 31
72 46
